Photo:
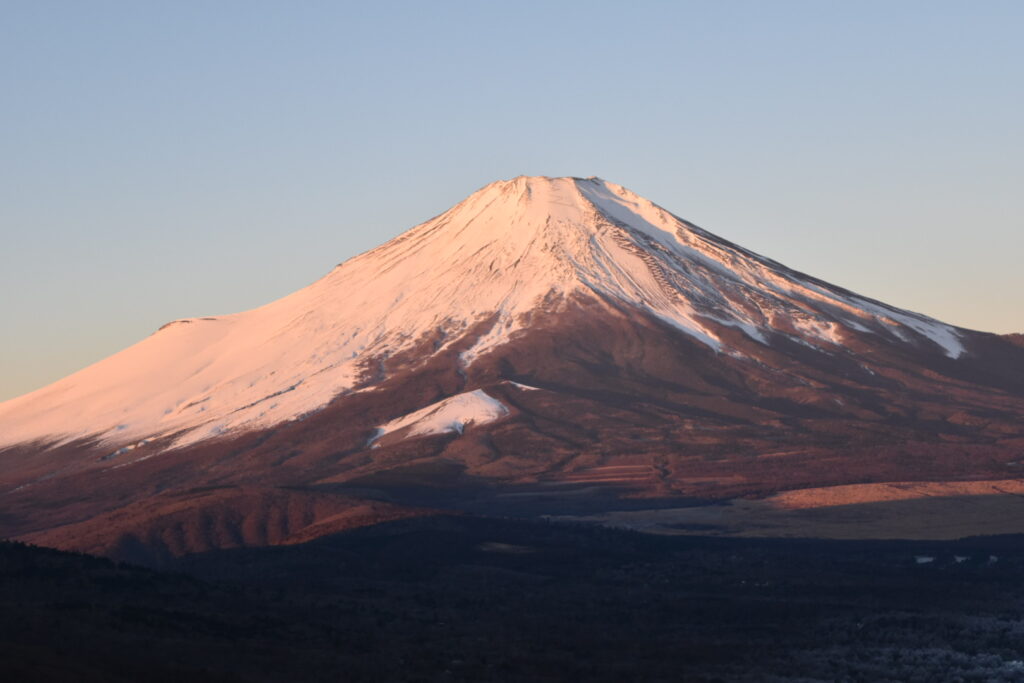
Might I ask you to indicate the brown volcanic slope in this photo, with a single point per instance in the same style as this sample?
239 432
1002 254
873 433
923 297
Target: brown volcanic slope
607 406
171 524
1015 338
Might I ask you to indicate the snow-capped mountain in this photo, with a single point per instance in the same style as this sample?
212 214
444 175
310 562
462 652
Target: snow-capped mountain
544 333
508 251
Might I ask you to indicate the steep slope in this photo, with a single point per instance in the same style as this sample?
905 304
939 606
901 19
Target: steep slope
544 333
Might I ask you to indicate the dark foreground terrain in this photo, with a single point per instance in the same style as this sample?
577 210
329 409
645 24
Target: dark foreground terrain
471 599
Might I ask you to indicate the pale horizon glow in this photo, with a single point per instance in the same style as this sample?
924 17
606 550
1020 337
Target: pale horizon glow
173 161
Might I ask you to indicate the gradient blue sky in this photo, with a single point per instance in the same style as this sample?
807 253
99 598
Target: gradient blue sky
161 160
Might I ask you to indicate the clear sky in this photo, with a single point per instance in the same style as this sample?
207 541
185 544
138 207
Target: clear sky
161 160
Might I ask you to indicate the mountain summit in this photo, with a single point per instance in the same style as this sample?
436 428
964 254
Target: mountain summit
543 332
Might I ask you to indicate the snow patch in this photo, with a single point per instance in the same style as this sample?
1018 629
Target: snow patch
524 387
452 414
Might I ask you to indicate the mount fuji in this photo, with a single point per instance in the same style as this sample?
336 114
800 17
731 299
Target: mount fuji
548 345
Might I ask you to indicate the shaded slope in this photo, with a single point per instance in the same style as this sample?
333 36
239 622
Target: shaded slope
157 528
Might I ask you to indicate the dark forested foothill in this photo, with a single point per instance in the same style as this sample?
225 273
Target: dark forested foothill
472 599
